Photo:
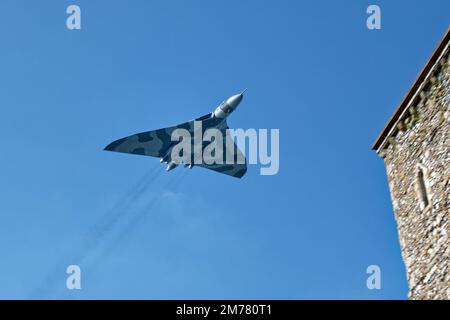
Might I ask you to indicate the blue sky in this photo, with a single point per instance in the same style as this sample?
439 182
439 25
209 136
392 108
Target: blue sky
312 69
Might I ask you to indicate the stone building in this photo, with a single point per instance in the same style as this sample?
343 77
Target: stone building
415 146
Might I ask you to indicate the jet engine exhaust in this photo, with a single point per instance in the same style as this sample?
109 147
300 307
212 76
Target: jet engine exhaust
172 165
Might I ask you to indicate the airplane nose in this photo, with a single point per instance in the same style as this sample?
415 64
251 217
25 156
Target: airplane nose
234 101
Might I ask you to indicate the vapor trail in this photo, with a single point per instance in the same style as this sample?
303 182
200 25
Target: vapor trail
95 236
121 207
138 216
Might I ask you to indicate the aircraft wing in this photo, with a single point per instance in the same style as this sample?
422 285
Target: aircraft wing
156 143
150 143
235 169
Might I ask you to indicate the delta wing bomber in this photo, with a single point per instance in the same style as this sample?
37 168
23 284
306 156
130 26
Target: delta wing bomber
205 142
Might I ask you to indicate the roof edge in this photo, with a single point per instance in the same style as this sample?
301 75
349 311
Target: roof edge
421 77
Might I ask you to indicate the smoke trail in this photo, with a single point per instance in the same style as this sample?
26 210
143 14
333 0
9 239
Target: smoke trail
124 203
138 216
99 232
95 236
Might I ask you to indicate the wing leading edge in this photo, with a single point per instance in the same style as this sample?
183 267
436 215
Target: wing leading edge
154 143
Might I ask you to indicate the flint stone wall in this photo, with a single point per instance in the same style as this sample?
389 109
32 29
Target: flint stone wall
422 142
